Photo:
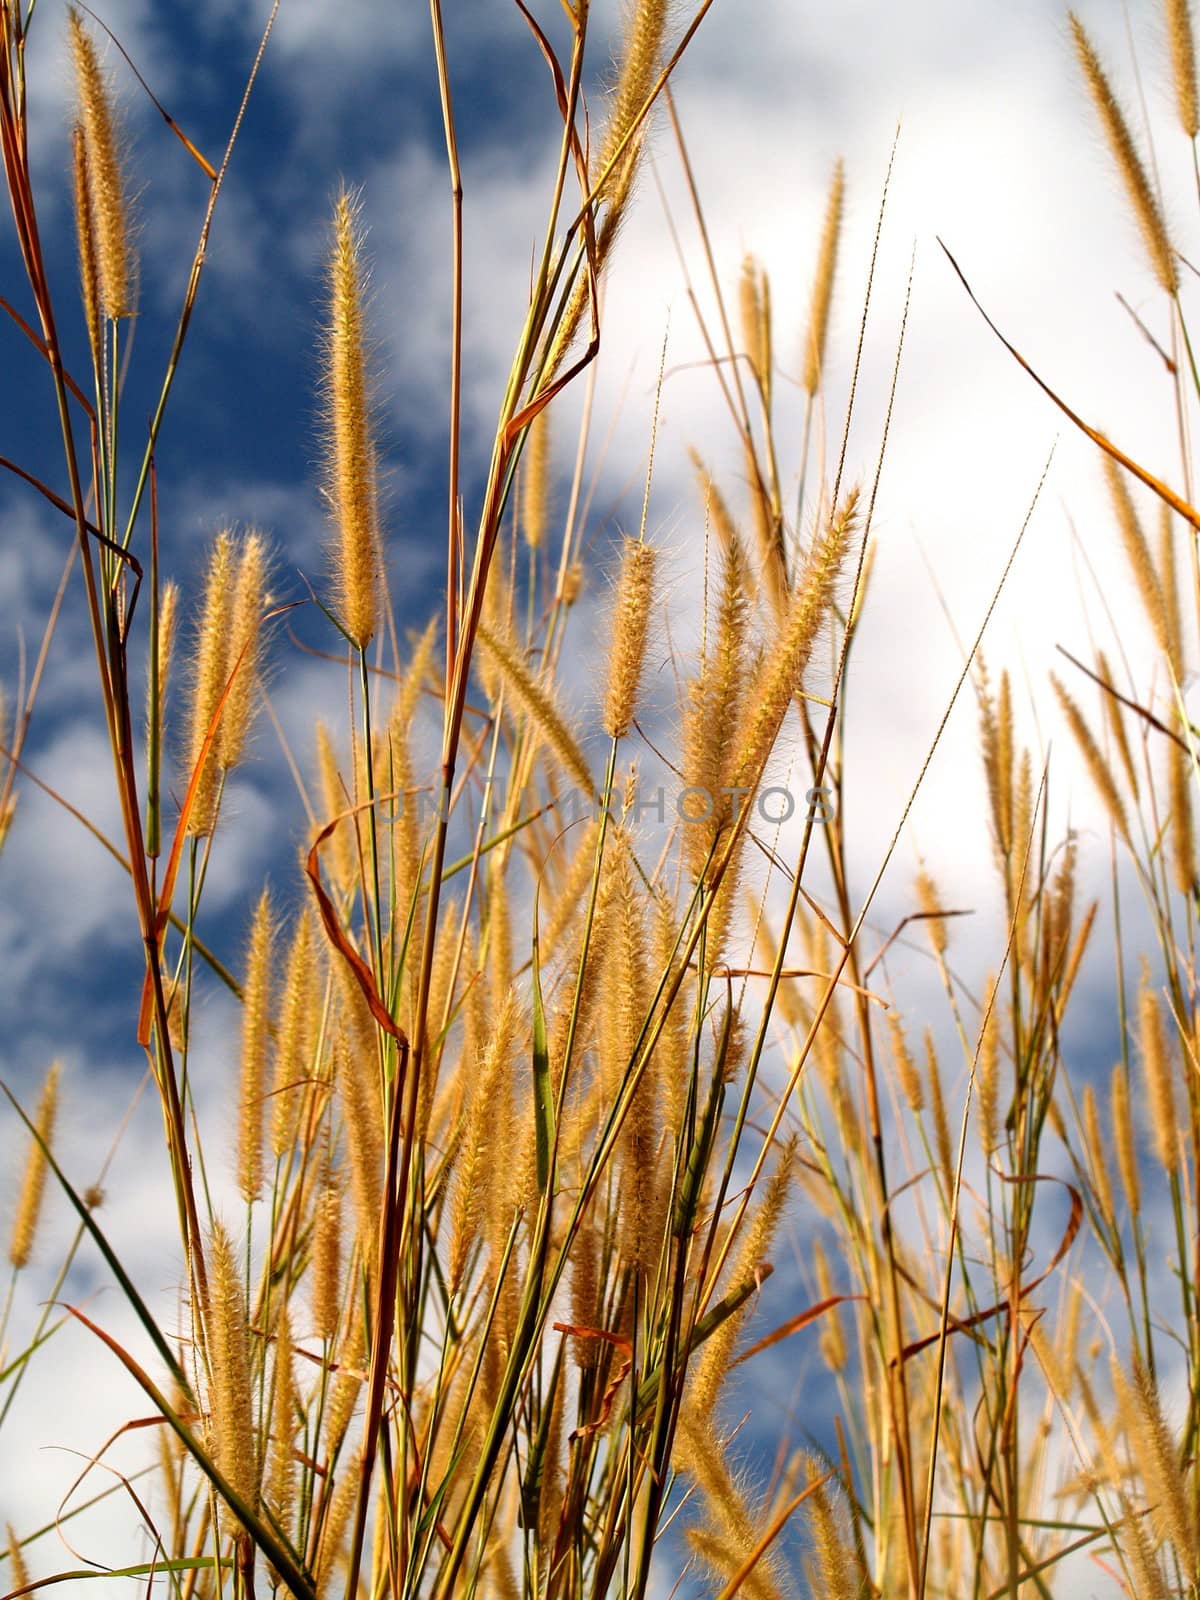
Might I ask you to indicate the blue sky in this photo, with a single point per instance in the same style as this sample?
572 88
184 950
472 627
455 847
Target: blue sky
996 153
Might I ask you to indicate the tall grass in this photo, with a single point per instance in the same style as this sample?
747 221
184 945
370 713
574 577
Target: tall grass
513 1157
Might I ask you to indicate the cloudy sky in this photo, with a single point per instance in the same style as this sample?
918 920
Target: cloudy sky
996 153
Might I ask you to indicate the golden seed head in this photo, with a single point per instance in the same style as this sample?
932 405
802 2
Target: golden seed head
168 613
208 682
1141 197
17 1576
1183 64
930 903
1137 554
33 1182
105 181
256 1008
1123 1133
754 304
1160 1087
906 1068
243 648
783 670
327 1256
822 298
1098 1156
535 480
295 1036
1098 768
230 1392
350 448
630 632
537 702
85 233
833 1336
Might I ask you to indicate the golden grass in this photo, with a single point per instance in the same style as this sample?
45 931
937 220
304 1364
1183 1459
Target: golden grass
528 1102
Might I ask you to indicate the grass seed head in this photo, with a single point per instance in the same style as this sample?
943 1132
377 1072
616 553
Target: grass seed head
822 296
106 185
1140 195
33 1181
256 1008
1183 64
350 448
630 634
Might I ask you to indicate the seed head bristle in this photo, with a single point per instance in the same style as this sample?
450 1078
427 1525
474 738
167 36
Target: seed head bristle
1158 1457
17 1576
350 447
360 1106
937 1105
85 235
834 1566
784 668
341 845
630 635
1183 64
754 304
535 480
208 680
1156 1067
822 297
243 649
641 59
294 1036
281 1472
1098 1157
33 1180
906 1068
230 1393
930 902
988 1073
716 510
536 700
1183 841
1123 1134
256 1008
833 1335
478 1150
1114 715
1169 588
105 181
1098 768
712 1366
1137 554
1141 197
168 613
327 1254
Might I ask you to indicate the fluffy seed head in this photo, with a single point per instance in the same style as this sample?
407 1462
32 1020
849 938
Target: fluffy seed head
230 1392
630 625
1183 64
535 480
256 1003
105 182
350 448
245 617
1141 197
538 704
208 680
784 668
85 233
822 299
1160 1087
1098 769
33 1182
1122 1122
